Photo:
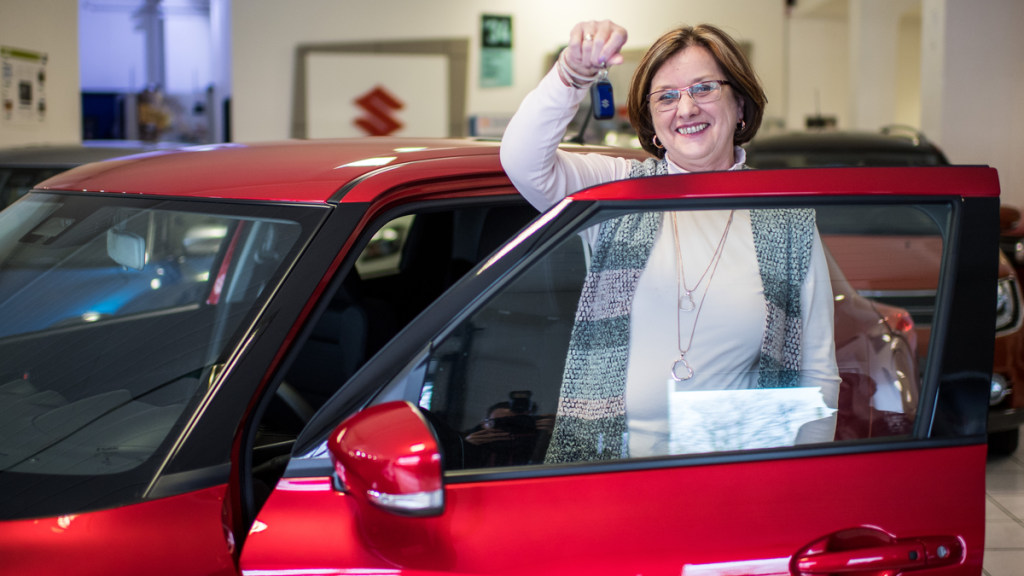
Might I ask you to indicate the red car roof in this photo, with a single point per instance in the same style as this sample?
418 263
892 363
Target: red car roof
315 170
290 171
297 170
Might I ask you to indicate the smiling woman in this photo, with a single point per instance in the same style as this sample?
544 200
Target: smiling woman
693 100
694 97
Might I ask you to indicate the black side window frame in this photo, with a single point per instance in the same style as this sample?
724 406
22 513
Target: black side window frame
949 411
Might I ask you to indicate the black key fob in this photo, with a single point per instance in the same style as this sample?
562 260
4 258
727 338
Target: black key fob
602 100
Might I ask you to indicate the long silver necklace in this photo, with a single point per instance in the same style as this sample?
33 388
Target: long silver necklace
685 300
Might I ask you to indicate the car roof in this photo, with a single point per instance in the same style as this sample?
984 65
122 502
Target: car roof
842 141
291 171
71 155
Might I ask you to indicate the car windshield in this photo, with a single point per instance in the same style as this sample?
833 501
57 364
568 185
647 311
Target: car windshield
114 314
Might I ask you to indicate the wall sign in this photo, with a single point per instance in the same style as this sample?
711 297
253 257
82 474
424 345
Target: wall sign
379 106
22 85
495 51
349 95
422 88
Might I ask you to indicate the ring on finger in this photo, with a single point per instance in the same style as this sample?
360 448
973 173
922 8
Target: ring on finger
588 37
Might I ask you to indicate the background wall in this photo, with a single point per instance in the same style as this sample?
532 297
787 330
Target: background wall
952 67
49 26
908 70
266 32
112 49
819 71
856 60
973 85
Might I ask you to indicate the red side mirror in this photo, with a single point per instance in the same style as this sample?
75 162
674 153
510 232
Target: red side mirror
387 455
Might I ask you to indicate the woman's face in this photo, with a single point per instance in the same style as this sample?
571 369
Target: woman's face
696 137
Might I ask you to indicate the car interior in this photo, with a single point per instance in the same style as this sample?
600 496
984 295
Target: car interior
434 251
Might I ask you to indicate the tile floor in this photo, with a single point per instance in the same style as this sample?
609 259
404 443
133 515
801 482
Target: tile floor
1004 515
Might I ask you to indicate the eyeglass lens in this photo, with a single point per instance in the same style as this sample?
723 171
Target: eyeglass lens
704 92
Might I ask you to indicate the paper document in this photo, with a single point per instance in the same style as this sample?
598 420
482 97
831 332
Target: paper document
721 420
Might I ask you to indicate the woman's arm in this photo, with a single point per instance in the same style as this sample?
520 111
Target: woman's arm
818 347
529 148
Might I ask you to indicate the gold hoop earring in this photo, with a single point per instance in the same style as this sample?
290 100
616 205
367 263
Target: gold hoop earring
656 143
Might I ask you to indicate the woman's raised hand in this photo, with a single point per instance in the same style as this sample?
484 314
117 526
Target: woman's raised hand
594 45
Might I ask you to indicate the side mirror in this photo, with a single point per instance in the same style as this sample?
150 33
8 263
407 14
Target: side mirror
1009 218
388 455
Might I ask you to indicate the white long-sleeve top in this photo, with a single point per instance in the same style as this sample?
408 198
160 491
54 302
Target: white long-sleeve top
725 348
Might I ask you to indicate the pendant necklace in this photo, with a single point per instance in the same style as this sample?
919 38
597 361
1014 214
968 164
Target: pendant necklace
681 369
686 303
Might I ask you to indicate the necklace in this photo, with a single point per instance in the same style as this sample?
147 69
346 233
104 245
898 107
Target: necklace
688 305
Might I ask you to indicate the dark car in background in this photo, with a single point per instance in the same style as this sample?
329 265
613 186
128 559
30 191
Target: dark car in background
23 168
903 278
892 146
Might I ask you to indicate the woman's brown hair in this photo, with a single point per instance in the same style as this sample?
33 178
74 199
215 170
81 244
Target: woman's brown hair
730 59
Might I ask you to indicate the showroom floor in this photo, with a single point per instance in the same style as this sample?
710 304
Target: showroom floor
1004 515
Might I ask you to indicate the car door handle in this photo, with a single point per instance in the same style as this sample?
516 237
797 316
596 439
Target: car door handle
902 556
870 550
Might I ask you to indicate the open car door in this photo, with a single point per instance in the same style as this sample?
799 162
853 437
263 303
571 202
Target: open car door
436 456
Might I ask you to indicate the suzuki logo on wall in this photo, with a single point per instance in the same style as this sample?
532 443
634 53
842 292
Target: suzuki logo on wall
378 105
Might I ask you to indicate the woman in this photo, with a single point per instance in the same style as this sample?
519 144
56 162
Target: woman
709 300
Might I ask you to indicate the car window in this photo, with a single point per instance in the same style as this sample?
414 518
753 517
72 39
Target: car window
506 386
907 277
115 313
408 262
383 254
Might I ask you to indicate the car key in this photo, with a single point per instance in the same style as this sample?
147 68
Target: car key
601 98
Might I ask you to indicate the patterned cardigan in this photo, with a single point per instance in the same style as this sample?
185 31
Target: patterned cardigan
591 417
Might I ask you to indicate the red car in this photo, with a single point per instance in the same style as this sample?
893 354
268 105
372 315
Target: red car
338 365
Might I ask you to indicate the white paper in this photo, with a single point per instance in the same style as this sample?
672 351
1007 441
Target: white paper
721 420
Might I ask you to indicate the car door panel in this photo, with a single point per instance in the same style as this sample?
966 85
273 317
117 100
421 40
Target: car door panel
183 534
656 521
659 521
727 513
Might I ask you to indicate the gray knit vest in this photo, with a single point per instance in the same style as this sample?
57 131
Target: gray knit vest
591 417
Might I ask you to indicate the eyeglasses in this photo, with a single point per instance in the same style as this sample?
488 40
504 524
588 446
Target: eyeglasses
701 93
